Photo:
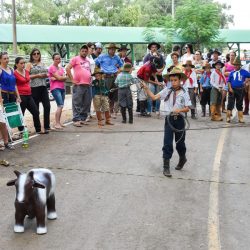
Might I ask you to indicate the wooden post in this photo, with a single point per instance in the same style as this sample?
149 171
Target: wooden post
14 27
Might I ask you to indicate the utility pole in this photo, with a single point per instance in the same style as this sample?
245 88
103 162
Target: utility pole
14 27
173 9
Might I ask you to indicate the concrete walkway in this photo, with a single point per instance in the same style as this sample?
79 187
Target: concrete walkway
111 194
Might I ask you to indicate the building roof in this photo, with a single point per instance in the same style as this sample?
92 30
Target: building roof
58 34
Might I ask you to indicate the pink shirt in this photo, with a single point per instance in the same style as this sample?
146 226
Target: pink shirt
81 70
228 68
55 84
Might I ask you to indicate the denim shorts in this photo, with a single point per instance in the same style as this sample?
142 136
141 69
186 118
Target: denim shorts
59 95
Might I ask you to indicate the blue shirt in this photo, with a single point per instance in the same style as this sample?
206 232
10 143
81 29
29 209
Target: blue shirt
205 81
237 78
8 81
108 64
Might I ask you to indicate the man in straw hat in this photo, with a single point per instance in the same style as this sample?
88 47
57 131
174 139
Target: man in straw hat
236 85
123 82
110 65
205 88
176 101
101 101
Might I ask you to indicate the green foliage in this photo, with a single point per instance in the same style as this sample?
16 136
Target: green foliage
198 21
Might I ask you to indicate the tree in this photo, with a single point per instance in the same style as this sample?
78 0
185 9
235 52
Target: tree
198 21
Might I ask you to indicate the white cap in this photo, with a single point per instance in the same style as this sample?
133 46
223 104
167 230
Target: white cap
98 45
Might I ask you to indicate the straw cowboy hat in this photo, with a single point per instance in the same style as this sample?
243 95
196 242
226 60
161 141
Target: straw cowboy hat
176 71
207 65
112 46
219 62
154 43
188 63
97 71
127 67
237 61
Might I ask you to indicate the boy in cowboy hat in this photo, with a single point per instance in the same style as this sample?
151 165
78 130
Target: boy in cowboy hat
176 101
236 83
205 88
191 85
218 82
101 101
123 82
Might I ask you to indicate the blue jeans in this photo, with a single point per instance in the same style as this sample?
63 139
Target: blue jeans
154 89
59 95
169 137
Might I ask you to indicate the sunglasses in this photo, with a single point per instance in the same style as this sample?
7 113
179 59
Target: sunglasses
36 54
197 54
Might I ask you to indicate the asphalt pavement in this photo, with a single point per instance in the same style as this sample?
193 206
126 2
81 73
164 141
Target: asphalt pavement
111 194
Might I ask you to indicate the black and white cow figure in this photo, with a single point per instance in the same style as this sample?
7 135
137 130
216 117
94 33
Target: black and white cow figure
34 191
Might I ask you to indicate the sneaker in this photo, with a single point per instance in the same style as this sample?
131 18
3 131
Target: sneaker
9 146
77 124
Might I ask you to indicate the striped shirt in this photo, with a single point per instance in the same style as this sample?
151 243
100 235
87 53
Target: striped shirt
124 79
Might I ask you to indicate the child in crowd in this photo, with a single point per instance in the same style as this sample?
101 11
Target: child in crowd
205 88
142 97
176 101
218 82
191 85
101 100
236 83
123 82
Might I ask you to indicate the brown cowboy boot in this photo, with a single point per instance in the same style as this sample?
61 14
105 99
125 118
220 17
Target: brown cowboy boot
99 118
228 119
214 116
240 117
107 117
218 109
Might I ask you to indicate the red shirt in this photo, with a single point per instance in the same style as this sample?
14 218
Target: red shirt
23 83
145 72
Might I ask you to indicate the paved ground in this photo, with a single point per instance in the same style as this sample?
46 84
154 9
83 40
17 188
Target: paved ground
111 193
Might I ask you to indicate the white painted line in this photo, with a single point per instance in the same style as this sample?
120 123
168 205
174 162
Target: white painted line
213 214
34 136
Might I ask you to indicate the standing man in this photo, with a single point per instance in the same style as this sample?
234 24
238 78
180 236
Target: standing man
236 84
123 54
154 47
98 50
110 65
81 80
215 57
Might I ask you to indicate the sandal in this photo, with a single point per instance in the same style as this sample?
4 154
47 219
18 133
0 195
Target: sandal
77 124
2 147
4 163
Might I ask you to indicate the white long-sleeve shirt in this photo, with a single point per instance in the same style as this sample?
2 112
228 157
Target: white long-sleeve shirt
188 85
215 80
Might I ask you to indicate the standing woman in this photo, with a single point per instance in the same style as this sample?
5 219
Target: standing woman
198 66
23 86
9 91
228 68
57 87
38 74
189 54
